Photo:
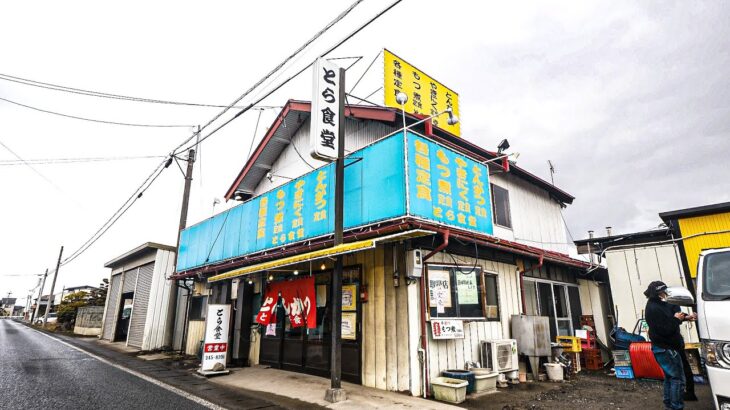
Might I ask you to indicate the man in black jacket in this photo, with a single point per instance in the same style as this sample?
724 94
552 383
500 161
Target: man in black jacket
667 342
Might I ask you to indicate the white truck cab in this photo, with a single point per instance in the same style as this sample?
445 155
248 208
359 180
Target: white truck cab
713 322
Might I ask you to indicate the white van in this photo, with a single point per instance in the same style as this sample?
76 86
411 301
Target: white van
713 308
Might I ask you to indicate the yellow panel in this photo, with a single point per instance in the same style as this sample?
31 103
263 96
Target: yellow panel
425 95
699 225
290 260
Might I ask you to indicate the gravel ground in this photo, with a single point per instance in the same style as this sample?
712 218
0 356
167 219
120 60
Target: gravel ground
589 390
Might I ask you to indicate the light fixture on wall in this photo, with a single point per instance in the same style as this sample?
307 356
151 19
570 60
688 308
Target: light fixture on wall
322 267
271 277
296 272
270 176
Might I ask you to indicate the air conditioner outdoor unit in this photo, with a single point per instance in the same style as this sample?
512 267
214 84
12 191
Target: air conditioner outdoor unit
499 355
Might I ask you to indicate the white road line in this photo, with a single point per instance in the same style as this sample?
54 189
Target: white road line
165 386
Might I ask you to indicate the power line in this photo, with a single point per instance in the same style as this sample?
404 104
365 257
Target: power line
99 94
93 120
47 161
40 174
153 176
353 33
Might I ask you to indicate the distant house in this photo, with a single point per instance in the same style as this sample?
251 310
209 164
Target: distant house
7 305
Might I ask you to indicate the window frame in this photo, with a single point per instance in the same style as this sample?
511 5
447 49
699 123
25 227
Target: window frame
508 211
482 295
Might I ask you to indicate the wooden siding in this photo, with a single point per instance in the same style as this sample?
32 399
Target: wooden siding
453 354
536 218
385 322
196 333
700 224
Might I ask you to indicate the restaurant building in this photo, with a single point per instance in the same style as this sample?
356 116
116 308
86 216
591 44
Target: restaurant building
441 248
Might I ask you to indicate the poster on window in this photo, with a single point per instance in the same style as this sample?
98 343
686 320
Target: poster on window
447 329
439 289
349 325
215 346
349 298
466 288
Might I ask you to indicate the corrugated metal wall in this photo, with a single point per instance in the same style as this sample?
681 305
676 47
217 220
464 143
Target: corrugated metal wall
130 279
158 327
143 279
700 224
110 317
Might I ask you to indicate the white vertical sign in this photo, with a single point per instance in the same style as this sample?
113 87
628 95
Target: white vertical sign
215 347
325 116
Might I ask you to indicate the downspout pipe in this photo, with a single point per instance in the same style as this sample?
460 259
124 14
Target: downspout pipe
424 336
522 281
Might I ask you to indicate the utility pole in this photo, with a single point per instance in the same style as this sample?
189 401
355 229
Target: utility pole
40 296
335 392
53 285
181 226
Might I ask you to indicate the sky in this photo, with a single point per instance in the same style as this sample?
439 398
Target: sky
629 100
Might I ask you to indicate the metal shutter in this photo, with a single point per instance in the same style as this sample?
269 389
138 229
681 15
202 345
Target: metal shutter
130 278
110 319
141 300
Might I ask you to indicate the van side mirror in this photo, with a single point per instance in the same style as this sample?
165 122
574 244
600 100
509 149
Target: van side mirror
678 295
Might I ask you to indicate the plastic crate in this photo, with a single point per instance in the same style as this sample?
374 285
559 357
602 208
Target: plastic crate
624 372
570 344
622 363
593 359
621 355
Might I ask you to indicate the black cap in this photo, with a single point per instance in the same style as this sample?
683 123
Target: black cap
655 288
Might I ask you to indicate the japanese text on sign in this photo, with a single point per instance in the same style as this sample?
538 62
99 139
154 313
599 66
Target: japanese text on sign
325 116
449 188
215 346
447 329
426 96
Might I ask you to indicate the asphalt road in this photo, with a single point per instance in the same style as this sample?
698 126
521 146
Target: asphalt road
38 371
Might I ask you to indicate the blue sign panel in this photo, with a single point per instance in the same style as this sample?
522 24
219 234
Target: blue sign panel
303 208
447 187
443 186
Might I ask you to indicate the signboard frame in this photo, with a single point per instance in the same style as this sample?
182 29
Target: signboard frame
215 344
443 329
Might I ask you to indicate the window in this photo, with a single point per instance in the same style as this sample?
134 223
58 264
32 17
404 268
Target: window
500 203
197 308
559 301
458 291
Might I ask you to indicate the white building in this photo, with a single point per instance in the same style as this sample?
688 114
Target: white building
392 316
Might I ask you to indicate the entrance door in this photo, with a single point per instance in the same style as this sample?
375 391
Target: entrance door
308 350
125 313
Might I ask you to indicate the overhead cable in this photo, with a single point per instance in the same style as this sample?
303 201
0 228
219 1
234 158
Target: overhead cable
53 161
353 33
153 176
99 94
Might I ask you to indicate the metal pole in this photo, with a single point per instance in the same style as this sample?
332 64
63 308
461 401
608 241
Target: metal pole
183 223
40 296
53 285
336 393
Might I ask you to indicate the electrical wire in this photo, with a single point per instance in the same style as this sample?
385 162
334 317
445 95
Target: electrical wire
365 72
52 161
40 174
93 120
353 33
153 176
99 94
253 137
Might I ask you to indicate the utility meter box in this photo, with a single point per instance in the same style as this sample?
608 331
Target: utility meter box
414 263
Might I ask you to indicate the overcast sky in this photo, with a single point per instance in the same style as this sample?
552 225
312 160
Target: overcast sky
629 100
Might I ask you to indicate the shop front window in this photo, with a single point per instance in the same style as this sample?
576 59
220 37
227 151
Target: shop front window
560 302
459 292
